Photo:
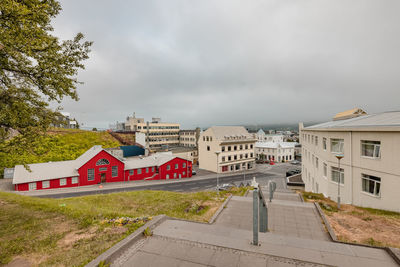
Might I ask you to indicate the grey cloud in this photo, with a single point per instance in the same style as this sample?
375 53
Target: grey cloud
232 62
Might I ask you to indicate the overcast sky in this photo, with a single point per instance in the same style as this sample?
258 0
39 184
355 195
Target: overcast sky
211 62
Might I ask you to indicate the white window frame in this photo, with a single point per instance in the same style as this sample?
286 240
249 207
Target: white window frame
90 175
324 145
368 178
32 186
376 154
139 171
341 145
341 173
74 180
114 171
63 181
45 184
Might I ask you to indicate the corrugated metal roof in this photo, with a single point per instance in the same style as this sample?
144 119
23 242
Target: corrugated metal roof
150 161
385 119
354 111
224 132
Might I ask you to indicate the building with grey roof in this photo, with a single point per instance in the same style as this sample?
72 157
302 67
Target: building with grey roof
369 173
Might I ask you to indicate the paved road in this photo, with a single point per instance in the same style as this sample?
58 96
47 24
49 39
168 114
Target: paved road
184 186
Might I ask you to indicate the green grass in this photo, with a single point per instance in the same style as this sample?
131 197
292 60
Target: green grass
59 145
33 227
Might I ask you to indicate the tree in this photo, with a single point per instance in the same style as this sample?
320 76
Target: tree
35 69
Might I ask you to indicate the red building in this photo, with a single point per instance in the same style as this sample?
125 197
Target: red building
97 166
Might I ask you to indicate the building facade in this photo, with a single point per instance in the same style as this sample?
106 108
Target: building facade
369 173
277 152
261 136
225 149
189 138
97 166
158 133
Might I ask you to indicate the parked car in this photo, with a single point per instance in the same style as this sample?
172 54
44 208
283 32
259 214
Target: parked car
292 172
225 187
194 172
295 162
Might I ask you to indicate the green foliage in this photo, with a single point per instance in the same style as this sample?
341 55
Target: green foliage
147 232
35 68
59 145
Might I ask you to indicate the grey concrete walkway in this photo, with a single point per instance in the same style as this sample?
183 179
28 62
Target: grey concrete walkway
296 238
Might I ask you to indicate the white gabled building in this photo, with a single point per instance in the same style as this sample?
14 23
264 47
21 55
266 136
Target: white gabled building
261 136
369 173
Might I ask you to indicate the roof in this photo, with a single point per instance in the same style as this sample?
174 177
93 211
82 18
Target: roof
157 159
380 121
261 132
275 144
44 171
355 112
224 132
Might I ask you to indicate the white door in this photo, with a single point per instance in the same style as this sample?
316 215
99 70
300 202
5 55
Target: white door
167 177
180 176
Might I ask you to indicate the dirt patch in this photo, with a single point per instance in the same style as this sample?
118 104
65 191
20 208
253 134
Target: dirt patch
69 239
19 262
117 230
356 225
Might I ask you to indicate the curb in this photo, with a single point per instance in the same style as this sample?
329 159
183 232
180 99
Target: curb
219 210
391 251
115 251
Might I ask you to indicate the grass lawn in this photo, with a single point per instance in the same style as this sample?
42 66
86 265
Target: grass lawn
73 231
360 225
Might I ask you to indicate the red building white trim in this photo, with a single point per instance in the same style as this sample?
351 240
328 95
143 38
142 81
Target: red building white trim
97 166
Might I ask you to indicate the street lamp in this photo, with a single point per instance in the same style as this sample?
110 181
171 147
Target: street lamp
217 153
339 157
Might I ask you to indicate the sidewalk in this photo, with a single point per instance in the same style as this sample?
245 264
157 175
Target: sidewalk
122 185
296 238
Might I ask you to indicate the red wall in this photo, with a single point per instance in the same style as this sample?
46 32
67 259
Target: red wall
54 183
92 164
142 176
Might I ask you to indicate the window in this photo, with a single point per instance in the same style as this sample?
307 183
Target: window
316 140
325 170
103 169
167 176
63 182
32 186
241 156
235 148
251 155
371 184
229 158
223 149
102 162
152 169
90 174
130 172
114 171
176 166
324 143
147 169
246 147
337 145
168 167
316 162
235 157
241 147
336 173
184 165
371 149
251 146
175 175
45 184
223 158
139 171
229 148
246 155
208 148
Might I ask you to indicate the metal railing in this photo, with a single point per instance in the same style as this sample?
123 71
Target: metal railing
260 211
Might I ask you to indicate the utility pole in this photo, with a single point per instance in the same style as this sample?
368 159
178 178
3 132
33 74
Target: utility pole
339 157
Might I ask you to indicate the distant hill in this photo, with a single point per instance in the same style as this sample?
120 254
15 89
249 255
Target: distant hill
60 144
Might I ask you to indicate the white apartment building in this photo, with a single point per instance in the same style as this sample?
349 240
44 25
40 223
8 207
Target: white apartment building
369 173
157 133
235 149
263 137
274 151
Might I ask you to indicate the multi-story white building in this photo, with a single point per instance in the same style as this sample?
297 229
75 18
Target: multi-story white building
226 149
157 133
275 151
369 173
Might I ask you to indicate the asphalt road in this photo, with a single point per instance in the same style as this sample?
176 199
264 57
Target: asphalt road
191 185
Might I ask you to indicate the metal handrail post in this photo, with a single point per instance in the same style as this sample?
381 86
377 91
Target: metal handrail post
255 217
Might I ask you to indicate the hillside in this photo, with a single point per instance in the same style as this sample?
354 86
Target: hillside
60 144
